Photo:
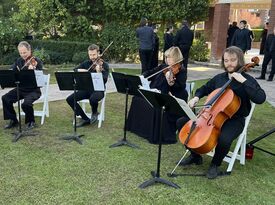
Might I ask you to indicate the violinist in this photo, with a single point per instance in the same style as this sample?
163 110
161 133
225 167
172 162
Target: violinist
25 62
95 65
245 87
173 79
143 120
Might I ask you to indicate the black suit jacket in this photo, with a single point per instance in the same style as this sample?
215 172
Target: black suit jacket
184 38
270 43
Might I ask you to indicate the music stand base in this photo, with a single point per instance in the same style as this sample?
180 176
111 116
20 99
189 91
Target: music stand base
74 137
123 142
157 180
21 134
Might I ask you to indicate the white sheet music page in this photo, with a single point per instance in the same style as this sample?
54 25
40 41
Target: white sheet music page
98 81
144 82
186 108
40 80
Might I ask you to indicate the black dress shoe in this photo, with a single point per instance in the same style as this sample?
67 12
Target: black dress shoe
12 123
191 159
31 125
212 172
93 118
260 78
83 123
269 79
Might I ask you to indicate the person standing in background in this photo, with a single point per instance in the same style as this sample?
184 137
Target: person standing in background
269 54
241 37
230 32
145 36
184 39
155 55
263 38
168 40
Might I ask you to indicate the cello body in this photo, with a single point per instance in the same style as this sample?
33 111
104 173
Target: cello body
204 136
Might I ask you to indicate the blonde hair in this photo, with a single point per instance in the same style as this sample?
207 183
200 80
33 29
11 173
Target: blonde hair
175 53
25 44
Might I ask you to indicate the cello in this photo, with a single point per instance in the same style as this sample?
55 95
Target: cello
201 135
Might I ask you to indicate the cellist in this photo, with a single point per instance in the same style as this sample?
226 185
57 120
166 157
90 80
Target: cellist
245 87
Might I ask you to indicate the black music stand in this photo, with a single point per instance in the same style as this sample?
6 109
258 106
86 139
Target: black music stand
22 79
165 103
128 85
74 81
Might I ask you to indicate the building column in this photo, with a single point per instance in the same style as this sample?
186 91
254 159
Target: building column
272 17
208 24
219 33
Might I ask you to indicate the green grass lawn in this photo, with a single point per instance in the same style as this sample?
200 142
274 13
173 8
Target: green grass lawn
45 170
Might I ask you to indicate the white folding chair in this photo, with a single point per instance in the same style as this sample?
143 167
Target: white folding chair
189 88
239 150
101 115
44 98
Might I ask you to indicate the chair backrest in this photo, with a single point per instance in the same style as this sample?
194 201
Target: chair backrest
239 150
46 85
189 88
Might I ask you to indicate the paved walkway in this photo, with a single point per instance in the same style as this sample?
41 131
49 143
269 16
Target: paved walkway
195 72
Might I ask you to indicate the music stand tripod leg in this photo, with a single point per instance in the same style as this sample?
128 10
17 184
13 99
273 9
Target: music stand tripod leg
124 140
76 137
20 133
156 175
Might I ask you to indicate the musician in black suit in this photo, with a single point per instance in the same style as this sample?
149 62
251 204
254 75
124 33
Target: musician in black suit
144 120
94 65
184 39
25 62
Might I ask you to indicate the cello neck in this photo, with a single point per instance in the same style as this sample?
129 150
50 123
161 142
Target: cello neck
221 91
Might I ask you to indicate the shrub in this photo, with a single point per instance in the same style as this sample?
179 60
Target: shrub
199 50
42 55
125 43
9 58
79 57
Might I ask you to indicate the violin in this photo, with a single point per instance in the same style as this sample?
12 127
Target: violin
171 73
30 63
97 64
201 135
99 61
174 68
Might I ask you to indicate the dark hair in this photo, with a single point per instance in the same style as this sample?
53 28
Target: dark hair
244 22
234 23
169 27
143 21
93 47
239 54
267 23
185 23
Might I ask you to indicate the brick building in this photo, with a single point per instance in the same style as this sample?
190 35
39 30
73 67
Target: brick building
220 13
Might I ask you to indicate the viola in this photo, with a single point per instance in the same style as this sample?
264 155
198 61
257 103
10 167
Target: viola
201 135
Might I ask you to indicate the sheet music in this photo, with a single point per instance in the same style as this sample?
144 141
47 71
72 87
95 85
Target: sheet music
186 108
144 82
40 80
98 81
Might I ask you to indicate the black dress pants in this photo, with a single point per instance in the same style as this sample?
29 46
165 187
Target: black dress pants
230 130
267 57
27 106
145 58
94 98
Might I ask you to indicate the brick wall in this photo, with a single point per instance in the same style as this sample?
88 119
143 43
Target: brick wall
219 32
